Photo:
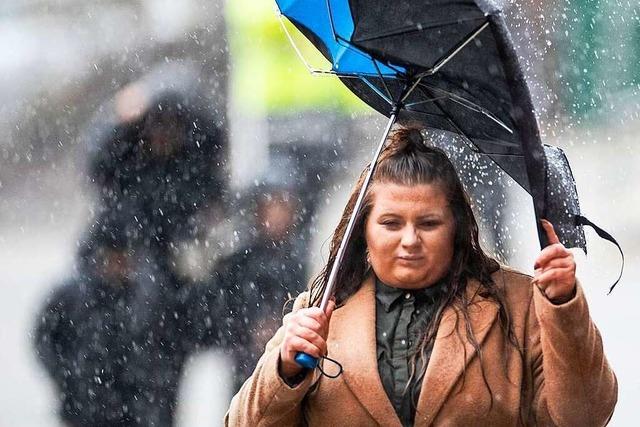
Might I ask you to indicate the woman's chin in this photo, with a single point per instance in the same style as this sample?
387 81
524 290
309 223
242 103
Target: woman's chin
410 280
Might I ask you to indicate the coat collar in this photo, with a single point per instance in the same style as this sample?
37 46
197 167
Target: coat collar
388 295
451 354
353 343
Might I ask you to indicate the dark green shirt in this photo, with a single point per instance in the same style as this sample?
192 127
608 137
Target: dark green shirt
402 318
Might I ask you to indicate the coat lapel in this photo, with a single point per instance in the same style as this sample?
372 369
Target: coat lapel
353 343
450 356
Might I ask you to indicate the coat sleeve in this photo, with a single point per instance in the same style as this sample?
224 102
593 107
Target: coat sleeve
573 384
265 399
49 334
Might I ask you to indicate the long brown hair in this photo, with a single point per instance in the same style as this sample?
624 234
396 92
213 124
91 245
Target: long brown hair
407 160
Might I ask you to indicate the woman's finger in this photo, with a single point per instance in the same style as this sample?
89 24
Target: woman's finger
313 337
552 237
562 275
564 262
317 314
551 252
554 293
286 318
297 345
310 323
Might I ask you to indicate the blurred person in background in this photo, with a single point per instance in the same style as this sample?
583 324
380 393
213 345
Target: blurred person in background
256 280
115 337
161 163
81 333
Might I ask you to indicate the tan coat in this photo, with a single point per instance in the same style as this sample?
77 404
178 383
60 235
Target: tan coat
564 378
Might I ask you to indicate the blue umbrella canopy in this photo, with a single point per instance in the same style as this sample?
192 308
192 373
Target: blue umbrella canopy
451 66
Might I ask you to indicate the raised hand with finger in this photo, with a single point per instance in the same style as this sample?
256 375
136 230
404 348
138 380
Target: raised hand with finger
555 269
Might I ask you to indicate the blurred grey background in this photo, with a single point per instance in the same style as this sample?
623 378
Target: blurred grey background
62 61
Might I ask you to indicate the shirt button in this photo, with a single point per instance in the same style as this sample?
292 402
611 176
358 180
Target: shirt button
403 342
407 295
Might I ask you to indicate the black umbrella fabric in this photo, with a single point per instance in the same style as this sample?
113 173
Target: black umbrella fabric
449 65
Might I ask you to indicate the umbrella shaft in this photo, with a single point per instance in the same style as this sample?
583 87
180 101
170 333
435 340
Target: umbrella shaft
328 291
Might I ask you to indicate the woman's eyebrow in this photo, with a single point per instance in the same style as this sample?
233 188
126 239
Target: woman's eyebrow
422 217
389 214
430 215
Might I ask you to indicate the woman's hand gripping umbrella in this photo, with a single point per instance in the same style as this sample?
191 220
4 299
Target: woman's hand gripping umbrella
555 269
306 332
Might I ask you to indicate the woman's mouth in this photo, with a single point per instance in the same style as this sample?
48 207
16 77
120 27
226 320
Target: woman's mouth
411 258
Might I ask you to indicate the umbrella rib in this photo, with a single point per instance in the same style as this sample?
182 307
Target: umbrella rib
410 90
424 113
415 28
449 56
311 69
384 83
468 140
465 90
339 39
317 71
375 89
413 104
469 105
333 28
502 143
481 110
500 154
464 136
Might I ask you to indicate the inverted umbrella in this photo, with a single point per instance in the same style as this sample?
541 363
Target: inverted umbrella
449 65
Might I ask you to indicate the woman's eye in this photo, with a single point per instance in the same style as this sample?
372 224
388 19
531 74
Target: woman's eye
390 224
429 224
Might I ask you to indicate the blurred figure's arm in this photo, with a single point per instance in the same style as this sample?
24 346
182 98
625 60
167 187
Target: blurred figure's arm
113 155
203 308
49 333
210 310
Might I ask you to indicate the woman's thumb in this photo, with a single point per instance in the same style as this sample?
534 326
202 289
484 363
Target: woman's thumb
330 307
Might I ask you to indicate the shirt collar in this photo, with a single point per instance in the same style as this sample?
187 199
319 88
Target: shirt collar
388 295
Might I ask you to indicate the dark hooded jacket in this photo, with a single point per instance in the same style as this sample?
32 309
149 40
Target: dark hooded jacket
116 350
254 284
161 192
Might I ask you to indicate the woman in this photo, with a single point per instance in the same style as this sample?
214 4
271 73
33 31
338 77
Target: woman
429 329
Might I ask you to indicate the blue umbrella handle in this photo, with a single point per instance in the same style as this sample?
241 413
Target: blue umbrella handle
306 361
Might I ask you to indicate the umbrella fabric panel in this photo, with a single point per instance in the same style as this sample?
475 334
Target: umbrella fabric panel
483 135
523 115
329 26
473 83
470 95
507 153
562 199
412 33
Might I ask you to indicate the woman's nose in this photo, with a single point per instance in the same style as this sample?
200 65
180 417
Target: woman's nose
410 237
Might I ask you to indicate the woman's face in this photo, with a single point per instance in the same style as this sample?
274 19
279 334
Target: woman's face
410 234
